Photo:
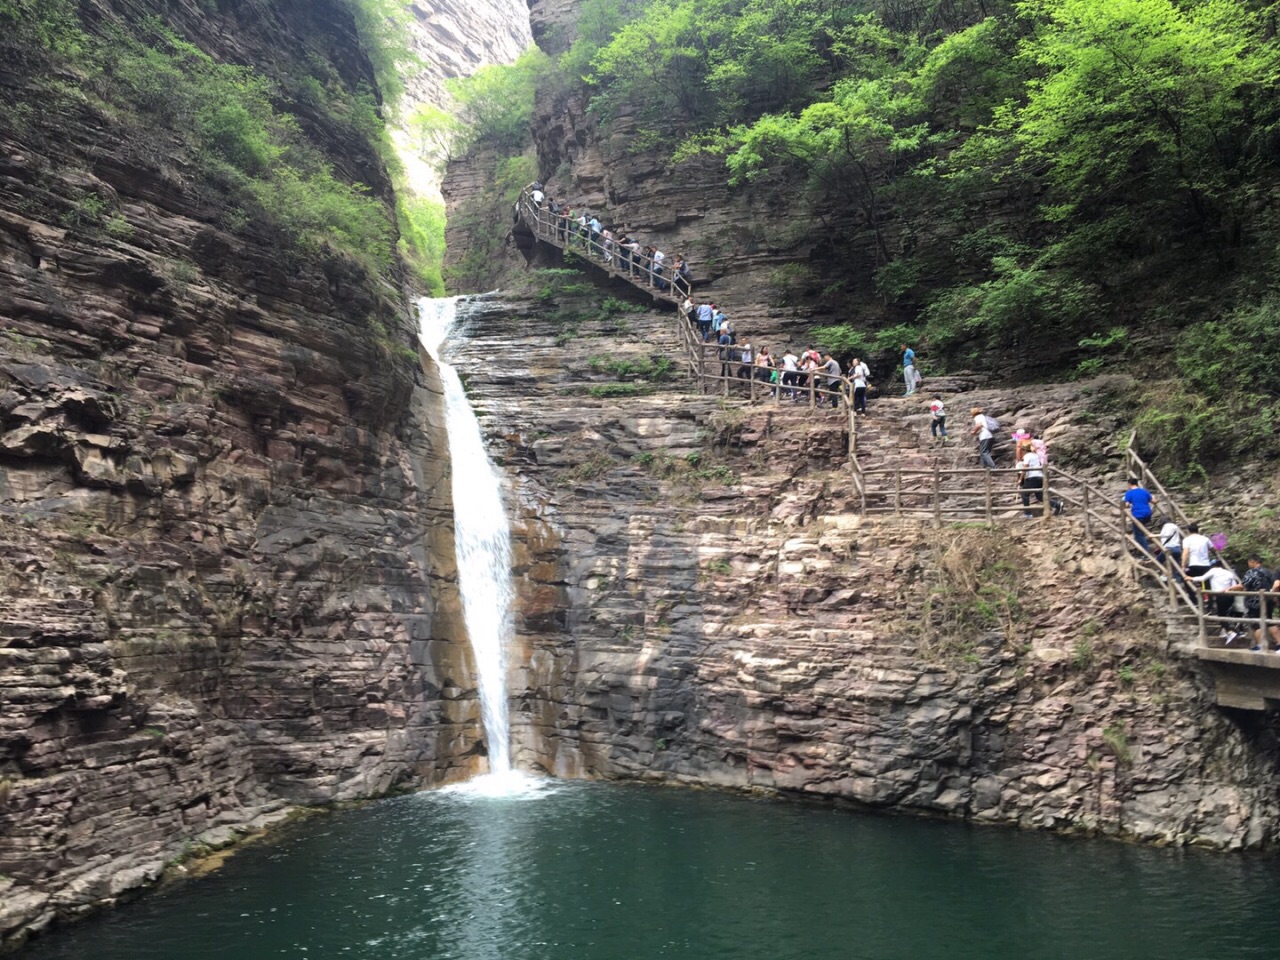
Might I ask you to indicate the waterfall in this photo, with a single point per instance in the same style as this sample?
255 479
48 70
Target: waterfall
483 538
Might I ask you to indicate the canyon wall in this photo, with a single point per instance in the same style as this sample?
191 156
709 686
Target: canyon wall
743 243
452 39
225 517
701 602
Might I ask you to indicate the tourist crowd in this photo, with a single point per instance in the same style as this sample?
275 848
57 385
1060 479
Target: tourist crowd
1195 562
611 246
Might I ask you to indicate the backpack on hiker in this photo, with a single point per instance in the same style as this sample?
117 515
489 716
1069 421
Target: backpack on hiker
992 424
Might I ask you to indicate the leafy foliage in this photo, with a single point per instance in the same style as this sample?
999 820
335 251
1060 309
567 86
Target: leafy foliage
1121 142
496 102
1240 353
422 223
51 24
383 28
248 155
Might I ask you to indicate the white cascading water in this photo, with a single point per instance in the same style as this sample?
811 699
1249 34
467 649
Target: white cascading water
482 537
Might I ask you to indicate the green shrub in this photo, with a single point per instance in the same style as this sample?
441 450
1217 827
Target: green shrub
1111 342
611 307
51 24
1015 298
496 102
422 223
841 339
620 390
643 368
255 153
1239 353
1182 433
383 26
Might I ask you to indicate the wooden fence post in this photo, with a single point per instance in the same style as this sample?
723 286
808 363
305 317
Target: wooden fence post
988 495
937 494
1088 522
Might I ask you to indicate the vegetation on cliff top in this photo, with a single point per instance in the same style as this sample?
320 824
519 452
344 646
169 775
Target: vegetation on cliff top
1056 179
244 134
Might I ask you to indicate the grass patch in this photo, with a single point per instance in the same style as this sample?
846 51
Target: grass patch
656 368
972 593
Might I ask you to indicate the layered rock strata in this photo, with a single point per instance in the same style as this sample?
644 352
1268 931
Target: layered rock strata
225 536
700 602
452 39
743 243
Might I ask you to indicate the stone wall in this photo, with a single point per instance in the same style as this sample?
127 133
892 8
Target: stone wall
701 603
225 537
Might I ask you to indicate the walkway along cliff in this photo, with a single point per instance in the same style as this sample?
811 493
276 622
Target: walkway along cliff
714 591
925 487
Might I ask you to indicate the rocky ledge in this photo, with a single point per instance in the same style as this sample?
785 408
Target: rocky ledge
225 538
700 602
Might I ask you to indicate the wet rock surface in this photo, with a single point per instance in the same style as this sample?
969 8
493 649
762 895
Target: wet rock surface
701 602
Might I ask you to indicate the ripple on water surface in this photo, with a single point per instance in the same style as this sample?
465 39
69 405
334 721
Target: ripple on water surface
527 869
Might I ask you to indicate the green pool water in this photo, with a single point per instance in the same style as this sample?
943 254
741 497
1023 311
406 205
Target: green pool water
577 871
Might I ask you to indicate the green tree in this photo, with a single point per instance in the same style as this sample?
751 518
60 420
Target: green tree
496 102
1144 112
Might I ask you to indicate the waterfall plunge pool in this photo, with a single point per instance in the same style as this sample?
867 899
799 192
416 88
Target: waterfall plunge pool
592 871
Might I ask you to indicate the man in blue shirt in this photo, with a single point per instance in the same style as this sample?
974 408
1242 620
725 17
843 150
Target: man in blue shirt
909 368
1141 506
705 312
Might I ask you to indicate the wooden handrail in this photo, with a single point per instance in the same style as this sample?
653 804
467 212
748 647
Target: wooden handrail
1096 507
561 232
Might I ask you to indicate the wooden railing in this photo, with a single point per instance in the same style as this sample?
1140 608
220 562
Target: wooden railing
717 369
978 493
636 267
960 493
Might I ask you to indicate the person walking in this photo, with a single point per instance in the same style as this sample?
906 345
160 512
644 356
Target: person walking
1196 551
790 374
938 421
1141 506
860 375
1171 542
705 313
1031 480
909 369
831 367
1256 578
1221 583
982 430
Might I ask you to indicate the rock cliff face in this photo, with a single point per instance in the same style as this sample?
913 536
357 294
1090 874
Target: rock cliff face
743 243
701 603
225 537
454 39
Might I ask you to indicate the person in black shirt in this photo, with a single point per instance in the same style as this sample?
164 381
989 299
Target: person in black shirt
1257 577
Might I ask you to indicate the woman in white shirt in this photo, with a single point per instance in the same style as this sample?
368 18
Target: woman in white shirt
1171 541
1195 551
1031 475
984 435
